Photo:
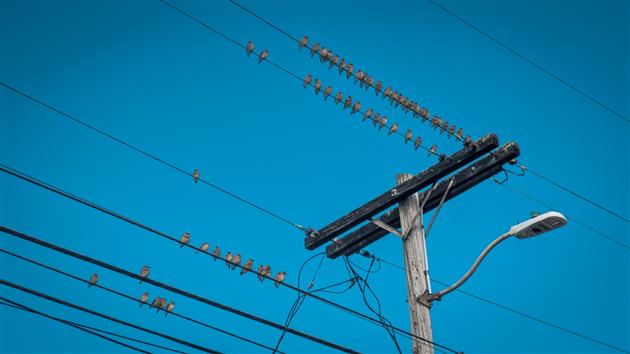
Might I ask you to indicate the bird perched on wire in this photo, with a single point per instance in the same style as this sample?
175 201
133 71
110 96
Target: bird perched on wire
303 42
377 118
383 122
358 77
356 107
367 114
393 129
169 308
329 55
93 280
467 140
249 49
338 97
263 55
444 127
432 150
451 130
247 266
307 80
261 272
196 175
417 143
349 70
236 260
327 92
162 305
387 92
342 65
279 279
348 102
333 61
424 113
184 239
318 86
216 253
228 259
408 136
322 54
314 49
144 298
459 134
393 98
157 302
144 272
369 82
204 247
378 87
268 270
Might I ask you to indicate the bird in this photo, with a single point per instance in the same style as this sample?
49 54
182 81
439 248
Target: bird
196 175
358 76
393 129
356 107
162 305
369 82
263 55
169 308
467 140
307 80
425 114
408 136
367 114
377 118
236 260
387 92
349 70
247 266
249 49
318 86
433 150
93 280
268 270
144 272
322 54
327 92
204 247
261 271
444 127
451 130
417 143
156 302
393 98
314 49
342 65
228 259
279 279
329 55
459 134
338 97
333 61
143 298
216 253
383 122
303 42
348 102
184 239
378 87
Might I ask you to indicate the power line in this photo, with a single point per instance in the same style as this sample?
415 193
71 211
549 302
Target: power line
170 288
149 155
136 300
527 60
13 304
512 310
107 317
532 171
18 306
54 189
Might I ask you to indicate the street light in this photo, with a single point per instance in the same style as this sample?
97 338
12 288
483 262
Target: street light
535 226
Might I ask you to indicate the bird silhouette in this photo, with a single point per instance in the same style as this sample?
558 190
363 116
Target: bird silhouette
216 253
383 122
342 65
356 107
204 247
196 175
279 279
184 239
263 55
327 92
247 266
367 114
169 308
236 260
408 136
303 42
249 49
307 80
144 272
144 298
93 280
393 129
417 143
318 86
314 49
348 102
338 97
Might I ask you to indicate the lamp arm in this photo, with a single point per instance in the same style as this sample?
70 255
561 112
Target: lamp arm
472 269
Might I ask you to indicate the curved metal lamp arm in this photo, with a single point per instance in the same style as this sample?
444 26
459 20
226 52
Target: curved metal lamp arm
473 268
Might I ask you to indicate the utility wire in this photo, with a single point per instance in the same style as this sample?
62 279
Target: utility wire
51 188
107 317
170 288
136 300
149 155
527 60
514 311
90 328
532 171
86 329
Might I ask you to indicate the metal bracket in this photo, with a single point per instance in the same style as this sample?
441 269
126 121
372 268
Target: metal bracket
437 211
426 299
387 227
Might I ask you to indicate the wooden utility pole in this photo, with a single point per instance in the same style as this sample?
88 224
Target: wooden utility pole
414 247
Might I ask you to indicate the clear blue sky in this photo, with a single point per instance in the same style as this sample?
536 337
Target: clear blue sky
154 78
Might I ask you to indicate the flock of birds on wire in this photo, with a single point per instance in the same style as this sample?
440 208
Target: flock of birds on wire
231 261
397 99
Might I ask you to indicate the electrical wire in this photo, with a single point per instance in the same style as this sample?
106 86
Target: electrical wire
170 288
9 303
25 308
126 296
527 60
514 311
54 189
107 317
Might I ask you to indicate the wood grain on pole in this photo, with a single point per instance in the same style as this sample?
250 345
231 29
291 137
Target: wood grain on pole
417 281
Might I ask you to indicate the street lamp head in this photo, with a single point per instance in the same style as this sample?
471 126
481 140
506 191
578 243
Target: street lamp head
538 225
